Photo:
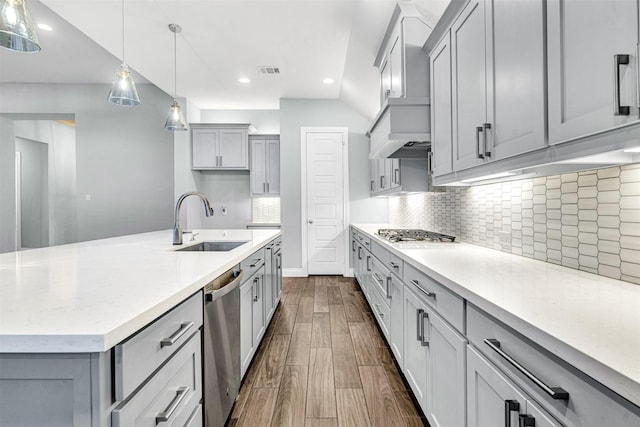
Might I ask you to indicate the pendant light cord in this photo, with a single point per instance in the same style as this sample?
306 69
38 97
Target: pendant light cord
175 65
123 61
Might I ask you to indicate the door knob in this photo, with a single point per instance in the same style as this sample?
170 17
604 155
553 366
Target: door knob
310 221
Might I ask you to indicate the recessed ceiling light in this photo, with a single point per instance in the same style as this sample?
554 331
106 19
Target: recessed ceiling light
328 81
244 80
45 27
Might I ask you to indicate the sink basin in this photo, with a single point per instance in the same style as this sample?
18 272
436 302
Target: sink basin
213 246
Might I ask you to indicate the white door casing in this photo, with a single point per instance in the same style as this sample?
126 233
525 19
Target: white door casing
324 200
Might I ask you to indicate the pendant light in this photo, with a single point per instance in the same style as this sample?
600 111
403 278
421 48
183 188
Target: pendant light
16 30
123 90
175 119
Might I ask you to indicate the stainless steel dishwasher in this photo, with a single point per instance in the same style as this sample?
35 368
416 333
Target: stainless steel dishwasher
221 343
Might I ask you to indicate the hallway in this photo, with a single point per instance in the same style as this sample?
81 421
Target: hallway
323 363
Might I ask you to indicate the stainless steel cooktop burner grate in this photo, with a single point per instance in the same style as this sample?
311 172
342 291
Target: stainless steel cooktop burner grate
402 235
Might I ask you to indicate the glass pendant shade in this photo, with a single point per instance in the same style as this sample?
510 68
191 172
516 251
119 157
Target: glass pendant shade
123 90
16 30
175 119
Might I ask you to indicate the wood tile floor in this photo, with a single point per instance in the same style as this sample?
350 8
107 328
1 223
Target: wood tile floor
323 363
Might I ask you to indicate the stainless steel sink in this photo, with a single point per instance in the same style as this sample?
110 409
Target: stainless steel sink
213 246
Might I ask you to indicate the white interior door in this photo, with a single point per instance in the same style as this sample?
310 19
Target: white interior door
325 202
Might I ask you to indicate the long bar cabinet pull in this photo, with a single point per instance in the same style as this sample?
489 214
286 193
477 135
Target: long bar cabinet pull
509 407
479 152
486 129
619 110
557 393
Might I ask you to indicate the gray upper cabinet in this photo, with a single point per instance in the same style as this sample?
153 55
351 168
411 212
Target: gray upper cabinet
265 165
515 77
220 146
393 176
469 85
441 138
584 41
498 81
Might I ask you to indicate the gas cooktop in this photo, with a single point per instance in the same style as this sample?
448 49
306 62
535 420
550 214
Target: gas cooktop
404 234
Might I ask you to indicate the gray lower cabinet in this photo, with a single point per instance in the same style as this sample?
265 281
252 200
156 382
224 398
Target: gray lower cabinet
492 400
55 390
252 321
171 396
416 350
396 324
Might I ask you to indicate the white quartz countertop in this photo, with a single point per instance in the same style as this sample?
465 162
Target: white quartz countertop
590 321
87 297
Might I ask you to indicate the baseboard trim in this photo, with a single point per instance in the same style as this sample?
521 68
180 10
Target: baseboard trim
293 272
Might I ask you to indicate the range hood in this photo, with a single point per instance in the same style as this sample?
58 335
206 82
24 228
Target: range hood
401 129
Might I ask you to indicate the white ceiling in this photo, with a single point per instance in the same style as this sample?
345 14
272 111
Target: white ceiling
221 41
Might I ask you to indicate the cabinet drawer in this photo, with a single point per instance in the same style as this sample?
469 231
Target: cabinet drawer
381 311
195 420
252 263
381 280
171 396
365 240
391 261
449 305
589 403
140 355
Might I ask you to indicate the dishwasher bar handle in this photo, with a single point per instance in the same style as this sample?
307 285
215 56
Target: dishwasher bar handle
557 393
224 289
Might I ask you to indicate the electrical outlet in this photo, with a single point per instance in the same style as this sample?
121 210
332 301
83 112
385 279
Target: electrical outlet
505 237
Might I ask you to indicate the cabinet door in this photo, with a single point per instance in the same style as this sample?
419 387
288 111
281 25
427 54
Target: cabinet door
415 351
204 148
492 399
258 167
395 173
446 374
233 149
258 308
469 84
246 325
354 255
541 417
396 324
269 283
385 81
582 39
441 140
374 177
515 77
395 59
273 166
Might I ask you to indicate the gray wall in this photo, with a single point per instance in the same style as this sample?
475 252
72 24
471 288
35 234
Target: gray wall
34 193
124 155
297 113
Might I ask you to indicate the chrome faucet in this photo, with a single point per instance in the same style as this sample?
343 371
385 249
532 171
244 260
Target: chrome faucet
177 230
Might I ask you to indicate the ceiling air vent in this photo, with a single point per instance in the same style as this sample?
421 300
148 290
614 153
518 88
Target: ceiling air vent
269 71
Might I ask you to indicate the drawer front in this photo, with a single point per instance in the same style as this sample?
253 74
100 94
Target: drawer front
449 305
195 420
140 355
390 261
380 311
381 280
589 403
365 240
252 263
172 394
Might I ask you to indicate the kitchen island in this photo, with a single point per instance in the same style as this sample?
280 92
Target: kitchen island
63 310
567 326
